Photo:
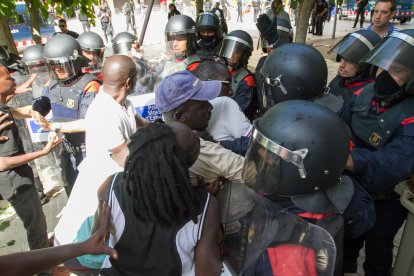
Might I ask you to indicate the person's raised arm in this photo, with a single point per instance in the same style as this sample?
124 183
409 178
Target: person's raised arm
39 260
10 162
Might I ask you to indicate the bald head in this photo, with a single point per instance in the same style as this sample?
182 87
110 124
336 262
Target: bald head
117 70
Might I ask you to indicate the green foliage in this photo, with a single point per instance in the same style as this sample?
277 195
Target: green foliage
7 7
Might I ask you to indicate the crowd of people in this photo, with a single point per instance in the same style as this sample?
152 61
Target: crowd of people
262 173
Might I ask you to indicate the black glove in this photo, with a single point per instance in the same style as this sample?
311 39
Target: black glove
267 29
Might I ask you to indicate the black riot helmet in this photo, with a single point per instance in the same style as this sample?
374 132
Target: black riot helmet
237 45
394 54
93 49
179 28
122 43
298 147
63 56
208 21
354 46
10 60
293 71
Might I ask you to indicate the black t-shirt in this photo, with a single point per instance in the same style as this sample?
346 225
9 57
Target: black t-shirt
14 178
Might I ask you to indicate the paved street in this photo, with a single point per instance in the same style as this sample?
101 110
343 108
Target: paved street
12 234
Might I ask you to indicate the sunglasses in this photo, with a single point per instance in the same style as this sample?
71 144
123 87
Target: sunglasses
62 26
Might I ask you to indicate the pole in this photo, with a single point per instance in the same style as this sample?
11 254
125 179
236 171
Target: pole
144 26
335 18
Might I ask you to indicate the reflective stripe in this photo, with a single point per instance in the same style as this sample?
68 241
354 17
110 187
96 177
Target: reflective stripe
283 29
314 216
363 40
404 37
239 40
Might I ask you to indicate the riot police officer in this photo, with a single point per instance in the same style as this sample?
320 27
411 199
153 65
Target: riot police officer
68 96
298 152
93 49
381 120
209 35
352 76
295 71
236 51
181 37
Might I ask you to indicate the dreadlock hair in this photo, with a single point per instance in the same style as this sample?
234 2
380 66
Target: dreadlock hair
156 176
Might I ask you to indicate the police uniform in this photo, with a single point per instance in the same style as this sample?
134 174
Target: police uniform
69 103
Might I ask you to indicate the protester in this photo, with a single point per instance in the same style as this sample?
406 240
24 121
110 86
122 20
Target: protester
109 122
155 211
183 98
228 125
17 180
38 260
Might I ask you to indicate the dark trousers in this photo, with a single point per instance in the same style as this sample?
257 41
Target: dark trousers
27 205
256 13
362 13
240 15
69 165
107 30
319 25
129 22
379 241
86 26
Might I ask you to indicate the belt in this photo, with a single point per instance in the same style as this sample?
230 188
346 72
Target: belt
75 149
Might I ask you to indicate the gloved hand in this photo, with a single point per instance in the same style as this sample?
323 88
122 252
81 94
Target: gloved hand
267 29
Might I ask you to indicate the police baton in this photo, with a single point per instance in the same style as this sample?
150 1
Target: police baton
144 26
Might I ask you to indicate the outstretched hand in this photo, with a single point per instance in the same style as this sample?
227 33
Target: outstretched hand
96 244
26 86
44 124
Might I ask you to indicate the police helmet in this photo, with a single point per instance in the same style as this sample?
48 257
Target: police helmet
181 27
293 71
237 45
33 59
122 43
63 56
207 21
285 32
395 54
298 147
354 46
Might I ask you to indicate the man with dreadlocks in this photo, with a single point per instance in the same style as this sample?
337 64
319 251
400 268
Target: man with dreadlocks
155 210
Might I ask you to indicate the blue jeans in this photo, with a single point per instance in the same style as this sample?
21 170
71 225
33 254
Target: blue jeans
27 205
69 165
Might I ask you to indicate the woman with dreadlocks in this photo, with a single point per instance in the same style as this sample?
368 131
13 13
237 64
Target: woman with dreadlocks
162 225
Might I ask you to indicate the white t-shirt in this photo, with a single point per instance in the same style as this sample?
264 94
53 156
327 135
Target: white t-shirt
227 121
108 124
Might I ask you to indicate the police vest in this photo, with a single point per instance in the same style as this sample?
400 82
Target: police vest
173 67
240 75
66 104
346 92
375 130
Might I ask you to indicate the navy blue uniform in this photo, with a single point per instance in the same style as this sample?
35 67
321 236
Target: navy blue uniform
381 159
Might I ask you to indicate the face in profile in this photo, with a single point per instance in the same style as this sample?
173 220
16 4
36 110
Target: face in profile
347 68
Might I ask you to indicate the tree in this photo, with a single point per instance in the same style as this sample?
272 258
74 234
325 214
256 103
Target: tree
303 12
35 7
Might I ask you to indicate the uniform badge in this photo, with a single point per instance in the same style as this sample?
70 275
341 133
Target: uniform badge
251 234
375 139
70 103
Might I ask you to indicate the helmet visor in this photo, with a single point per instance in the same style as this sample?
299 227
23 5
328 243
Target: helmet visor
233 48
95 58
262 165
61 70
393 54
35 68
352 46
